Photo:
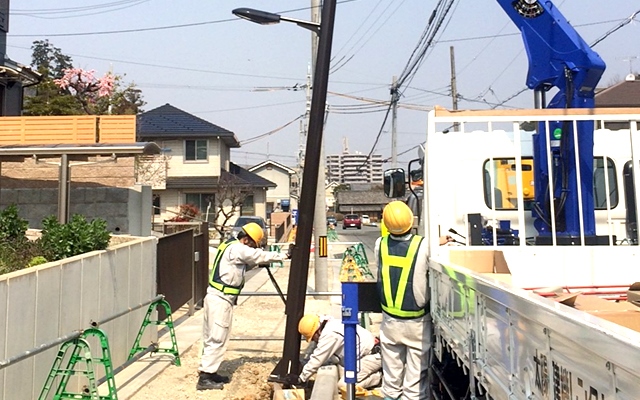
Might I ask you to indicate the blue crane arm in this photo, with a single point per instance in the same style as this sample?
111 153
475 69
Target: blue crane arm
560 58
553 46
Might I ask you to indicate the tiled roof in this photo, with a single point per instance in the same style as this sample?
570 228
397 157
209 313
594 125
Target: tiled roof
368 197
622 94
238 176
268 163
168 121
249 177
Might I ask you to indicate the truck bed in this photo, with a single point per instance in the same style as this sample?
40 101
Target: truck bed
516 344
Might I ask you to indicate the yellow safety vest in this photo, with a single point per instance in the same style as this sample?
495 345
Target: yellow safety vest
395 277
214 279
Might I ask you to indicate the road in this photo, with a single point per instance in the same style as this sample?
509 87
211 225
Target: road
367 235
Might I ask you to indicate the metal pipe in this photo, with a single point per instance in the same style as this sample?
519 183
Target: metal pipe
151 349
64 185
309 294
36 350
73 335
127 311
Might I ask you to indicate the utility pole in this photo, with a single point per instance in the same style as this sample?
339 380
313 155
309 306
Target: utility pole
394 123
320 214
454 88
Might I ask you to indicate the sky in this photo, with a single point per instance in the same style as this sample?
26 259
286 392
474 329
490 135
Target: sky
247 78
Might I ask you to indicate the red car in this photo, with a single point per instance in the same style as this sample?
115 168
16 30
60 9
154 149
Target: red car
351 221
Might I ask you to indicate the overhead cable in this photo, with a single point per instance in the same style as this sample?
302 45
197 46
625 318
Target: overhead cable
271 132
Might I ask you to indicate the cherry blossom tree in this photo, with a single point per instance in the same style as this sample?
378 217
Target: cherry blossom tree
86 87
67 90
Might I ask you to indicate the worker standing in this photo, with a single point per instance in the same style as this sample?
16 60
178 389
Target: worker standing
328 333
225 283
405 330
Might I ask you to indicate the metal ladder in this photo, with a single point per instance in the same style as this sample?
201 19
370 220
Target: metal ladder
168 323
81 352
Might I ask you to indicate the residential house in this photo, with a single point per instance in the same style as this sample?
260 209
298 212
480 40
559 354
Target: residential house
280 175
329 195
196 168
622 94
369 202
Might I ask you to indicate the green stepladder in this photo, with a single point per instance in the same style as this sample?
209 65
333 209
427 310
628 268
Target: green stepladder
168 323
81 352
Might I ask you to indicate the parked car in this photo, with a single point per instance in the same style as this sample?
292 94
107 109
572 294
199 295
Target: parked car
351 221
365 219
332 221
237 227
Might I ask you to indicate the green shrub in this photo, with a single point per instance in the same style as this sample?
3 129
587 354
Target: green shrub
37 260
17 255
78 236
12 227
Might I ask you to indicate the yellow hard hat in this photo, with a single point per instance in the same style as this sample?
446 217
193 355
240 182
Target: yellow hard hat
397 217
254 231
308 326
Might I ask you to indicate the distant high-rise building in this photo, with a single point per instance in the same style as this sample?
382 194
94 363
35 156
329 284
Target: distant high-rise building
354 168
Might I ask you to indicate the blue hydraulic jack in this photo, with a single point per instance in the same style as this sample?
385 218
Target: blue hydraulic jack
350 321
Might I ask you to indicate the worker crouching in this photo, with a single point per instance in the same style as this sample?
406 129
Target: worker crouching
328 334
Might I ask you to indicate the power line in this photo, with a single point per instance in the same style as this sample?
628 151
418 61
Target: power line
271 132
81 11
157 28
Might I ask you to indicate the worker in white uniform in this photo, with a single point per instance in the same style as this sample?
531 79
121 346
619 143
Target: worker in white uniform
405 330
225 283
328 333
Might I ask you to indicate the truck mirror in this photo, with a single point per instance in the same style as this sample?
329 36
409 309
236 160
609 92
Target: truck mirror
394 183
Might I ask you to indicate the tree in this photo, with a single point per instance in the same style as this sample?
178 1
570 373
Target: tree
49 60
66 90
230 196
86 88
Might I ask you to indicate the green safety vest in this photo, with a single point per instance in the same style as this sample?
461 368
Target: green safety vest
214 279
395 277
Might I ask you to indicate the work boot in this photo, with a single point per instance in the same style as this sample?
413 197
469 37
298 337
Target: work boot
205 382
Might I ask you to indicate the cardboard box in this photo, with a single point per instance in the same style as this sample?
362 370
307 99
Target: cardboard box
621 313
629 319
480 260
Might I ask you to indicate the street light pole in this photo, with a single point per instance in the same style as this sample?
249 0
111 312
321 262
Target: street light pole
321 270
299 272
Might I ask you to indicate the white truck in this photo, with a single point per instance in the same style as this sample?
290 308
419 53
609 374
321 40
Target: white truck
514 318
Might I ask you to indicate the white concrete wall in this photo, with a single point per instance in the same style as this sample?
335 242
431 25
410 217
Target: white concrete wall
178 166
281 178
44 303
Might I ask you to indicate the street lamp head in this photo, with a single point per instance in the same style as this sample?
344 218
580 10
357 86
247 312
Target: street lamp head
257 16
267 18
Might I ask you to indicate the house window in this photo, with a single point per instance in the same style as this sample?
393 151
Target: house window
156 204
248 207
201 200
195 150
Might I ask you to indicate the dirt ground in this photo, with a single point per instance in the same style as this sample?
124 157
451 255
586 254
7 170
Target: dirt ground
255 347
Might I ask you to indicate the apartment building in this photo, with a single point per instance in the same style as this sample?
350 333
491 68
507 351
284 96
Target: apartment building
354 168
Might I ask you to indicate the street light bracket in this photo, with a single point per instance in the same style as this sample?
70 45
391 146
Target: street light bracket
268 18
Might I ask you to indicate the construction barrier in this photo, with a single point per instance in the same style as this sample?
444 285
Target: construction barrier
332 235
81 362
355 265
